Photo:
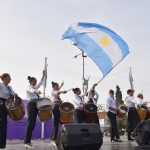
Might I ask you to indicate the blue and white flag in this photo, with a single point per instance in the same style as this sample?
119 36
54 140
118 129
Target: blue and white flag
101 44
131 79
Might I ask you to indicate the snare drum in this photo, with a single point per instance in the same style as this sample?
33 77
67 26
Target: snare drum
15 108
44 107
89 113
142 112
66 113
122 111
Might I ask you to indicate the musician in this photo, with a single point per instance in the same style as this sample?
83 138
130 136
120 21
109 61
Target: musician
133 118
93 98
140 102
112 112
33 94
5 92
78 104
57 101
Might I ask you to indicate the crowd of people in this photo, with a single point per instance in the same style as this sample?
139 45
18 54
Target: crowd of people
33 95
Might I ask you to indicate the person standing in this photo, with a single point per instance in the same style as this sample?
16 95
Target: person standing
5 92
133 118
93 98
140 101
57 101
78 104
112 112
33 95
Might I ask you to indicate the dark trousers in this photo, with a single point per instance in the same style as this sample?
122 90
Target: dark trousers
3 125
56 114
113 122
132 121
79 116
32 115
97 120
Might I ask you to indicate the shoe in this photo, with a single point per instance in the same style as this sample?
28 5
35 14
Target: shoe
113 140
131 139
53 143
119 140
28 146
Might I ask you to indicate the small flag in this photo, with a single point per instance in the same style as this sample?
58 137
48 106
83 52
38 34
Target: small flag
101 44
131 79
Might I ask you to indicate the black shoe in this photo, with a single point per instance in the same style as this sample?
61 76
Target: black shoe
113 140
131 139
119 140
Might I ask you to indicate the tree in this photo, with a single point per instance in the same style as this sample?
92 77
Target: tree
121 121
118 95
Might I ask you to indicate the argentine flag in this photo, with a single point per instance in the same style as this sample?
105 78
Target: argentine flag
101 44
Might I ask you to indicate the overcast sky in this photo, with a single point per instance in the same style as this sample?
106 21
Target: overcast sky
32 29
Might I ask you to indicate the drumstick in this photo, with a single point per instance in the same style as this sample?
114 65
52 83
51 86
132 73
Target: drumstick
14 99
69 90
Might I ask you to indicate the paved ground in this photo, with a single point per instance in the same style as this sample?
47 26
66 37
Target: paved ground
45 145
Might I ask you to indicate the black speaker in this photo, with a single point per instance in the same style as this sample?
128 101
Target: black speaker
81 137
142 133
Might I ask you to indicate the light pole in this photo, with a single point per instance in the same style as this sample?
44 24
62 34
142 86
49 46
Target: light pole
83 64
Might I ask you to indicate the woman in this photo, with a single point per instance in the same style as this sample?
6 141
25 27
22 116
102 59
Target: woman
55 97
112 112
140 102
78 104
93 98
133 117
32 96
5 92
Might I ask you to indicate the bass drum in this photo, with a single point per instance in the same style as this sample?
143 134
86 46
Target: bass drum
142 112
66 112
44 107
15 108
89 113
122 111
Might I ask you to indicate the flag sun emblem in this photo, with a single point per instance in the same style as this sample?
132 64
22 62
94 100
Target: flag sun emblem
105 41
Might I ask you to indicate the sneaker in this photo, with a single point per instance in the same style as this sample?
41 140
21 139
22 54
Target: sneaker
53 143
28 146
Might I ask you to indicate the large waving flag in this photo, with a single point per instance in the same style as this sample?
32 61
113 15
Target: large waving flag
101 44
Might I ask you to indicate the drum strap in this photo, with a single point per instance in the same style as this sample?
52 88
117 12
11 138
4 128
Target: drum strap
80 98
9 90
37 94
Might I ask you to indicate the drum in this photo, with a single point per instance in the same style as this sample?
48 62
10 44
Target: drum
122 111
89 113
66 113
44 107
15 108
148 114
142 112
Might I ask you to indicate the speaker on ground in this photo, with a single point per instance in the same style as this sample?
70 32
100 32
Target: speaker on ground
87 136
142 133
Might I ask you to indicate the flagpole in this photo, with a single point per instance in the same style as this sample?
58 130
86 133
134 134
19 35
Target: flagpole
44 89
110 71
83 76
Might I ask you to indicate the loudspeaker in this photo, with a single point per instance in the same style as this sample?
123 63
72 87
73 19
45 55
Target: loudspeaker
142 133
87 136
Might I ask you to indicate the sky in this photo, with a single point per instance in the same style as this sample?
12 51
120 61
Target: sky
31 30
